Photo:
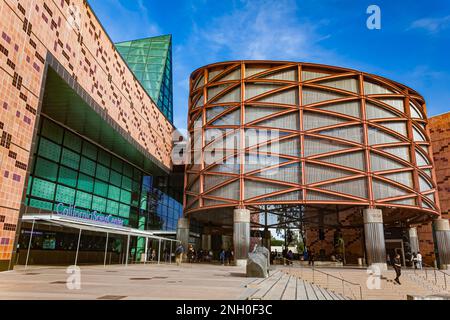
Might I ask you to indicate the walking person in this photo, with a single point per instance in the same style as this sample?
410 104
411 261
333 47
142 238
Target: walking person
166 255
414 260
419 260
222 257
179 254
397 268
311 258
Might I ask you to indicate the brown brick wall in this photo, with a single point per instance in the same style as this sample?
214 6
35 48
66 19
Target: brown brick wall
440 139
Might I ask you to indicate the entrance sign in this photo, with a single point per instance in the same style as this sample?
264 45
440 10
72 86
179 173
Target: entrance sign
72 211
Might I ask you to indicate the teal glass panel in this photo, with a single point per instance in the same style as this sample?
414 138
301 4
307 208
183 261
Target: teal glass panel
104 157
89 150
49 150
99 204
128 170
102 172
117 164
41 204
124 210
87 166
67 176
43 189
101 188
52 131
65 195
150 59
112 207
83 199
126 183
30 182
72 141
115 178
125 196
70 159
46 169
114 193
85 183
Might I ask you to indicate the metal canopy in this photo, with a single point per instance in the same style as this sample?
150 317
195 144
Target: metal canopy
92 226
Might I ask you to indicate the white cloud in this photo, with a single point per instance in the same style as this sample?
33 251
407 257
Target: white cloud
261 30
432 25
253 30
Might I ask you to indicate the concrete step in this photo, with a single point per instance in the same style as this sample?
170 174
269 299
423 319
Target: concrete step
389 289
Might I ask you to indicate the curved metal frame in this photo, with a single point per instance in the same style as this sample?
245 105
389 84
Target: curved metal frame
199 103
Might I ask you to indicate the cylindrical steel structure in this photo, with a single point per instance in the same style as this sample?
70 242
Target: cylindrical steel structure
269 132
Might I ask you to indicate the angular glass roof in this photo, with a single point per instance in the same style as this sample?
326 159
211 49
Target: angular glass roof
150 60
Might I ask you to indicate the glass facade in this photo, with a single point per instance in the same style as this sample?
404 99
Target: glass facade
150 60
70 170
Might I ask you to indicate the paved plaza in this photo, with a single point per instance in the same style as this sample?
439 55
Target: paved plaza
207 282
199 281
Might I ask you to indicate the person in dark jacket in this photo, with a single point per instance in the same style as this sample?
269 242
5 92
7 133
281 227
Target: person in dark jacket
398 268
311 258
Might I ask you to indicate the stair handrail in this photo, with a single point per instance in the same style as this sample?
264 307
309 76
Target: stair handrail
435 274
343 281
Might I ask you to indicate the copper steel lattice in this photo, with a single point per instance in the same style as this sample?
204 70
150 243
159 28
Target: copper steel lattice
344 138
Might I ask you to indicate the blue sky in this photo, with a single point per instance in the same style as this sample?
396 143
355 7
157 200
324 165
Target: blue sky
412 46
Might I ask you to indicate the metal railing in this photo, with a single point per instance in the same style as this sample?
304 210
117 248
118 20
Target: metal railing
432 273
290 263
343 281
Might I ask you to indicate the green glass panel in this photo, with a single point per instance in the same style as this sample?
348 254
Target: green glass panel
52 131
141 224
41 204
123 51
49 150
72 141
115 178
85 183
124 210
87 166
67 176
112 207
102 172
30 182
43 189
114 193
126 183
101 188
46 169
117 164
89 150
104 157
128 170
136 175
70 159
98 204
125 196
83 200
65 195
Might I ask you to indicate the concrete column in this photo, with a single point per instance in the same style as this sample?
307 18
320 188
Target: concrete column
206 238
241 236
206 241
413 240
442 242
374 237
183 233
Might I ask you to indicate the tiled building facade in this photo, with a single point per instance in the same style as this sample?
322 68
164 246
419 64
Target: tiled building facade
440 138
33 33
